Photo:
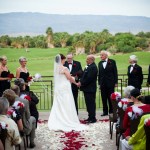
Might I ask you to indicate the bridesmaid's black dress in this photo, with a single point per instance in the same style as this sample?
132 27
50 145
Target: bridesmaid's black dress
4 84
25 76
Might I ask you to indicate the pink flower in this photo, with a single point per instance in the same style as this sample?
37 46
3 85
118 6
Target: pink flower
115 96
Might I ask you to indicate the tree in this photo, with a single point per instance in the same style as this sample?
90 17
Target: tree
49 33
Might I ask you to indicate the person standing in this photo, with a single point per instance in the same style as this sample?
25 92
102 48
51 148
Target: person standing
75 71
88 85
22 72
148 80
107 79
4 75
135 75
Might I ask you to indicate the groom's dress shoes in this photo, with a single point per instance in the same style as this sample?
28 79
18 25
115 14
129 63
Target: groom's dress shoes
104 114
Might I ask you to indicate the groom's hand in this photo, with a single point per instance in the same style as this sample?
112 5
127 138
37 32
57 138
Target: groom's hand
78 84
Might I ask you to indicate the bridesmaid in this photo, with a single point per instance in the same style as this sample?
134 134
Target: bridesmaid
4 75
22 72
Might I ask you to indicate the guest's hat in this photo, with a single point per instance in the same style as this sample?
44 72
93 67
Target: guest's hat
133 57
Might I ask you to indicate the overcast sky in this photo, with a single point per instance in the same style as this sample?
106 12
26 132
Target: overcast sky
99 7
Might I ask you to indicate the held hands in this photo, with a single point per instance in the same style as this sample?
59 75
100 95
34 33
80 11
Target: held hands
78 84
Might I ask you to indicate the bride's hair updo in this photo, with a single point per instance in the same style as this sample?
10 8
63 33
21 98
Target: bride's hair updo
58 57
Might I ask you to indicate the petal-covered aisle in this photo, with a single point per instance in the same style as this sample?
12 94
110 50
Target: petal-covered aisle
95 138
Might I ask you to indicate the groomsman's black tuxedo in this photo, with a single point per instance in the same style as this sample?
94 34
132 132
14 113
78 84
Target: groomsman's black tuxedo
89 86
76 72
135 77
148 80
107 78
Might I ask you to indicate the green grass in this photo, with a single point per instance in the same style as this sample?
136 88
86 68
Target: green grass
41 60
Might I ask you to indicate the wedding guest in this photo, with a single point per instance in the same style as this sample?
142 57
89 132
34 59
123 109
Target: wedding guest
148 79
138 140
76 71
136 97
31 97
88 85
13 137
22 72
135 75
107 80
4 75
29 122
10 95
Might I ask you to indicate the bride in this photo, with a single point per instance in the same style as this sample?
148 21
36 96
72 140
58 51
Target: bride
63 114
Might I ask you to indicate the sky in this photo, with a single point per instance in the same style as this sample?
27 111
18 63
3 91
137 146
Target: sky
95 7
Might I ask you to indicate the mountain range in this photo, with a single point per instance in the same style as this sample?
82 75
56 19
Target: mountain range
27 23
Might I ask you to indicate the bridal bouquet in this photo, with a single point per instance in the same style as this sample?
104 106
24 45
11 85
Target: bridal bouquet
11 75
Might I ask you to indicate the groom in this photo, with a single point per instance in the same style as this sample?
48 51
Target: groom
76 71
88 86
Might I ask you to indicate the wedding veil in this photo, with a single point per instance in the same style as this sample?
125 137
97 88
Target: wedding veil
57 64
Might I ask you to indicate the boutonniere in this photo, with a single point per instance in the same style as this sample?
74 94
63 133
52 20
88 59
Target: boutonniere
74 65
109 62
86 67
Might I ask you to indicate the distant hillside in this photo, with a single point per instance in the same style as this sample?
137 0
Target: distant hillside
37 23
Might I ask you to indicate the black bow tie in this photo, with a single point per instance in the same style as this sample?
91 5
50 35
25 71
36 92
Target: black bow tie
103 61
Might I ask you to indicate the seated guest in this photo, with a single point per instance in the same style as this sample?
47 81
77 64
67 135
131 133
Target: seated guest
29 122
10 95
33 100
136 97
138 140
13 137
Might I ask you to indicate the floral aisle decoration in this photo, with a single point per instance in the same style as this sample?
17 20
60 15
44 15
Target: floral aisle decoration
17 105
123 103
135 112
3 125
115 96
26 97
147 122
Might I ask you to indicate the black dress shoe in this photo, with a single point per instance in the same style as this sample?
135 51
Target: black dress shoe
86 120
104 114
91 121
32 145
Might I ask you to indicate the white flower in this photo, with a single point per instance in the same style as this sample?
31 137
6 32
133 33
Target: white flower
86 67
22 96
18 104
137 110
120 104
124 107
130 114
3 125
37 77
14 114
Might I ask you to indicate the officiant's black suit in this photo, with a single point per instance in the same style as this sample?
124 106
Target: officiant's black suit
76 72
135 78
107 78
89 86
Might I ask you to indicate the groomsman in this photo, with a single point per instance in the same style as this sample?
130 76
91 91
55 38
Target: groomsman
76 71
107 79
135 75
148 79
88 85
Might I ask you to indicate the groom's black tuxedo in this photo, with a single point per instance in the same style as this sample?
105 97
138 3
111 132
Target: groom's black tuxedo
76 71
135 77
89 86
107 78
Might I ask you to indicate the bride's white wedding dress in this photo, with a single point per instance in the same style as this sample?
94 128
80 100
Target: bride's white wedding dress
63 115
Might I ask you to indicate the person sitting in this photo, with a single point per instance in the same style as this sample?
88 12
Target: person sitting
138 140
136 97
13 137
33 100
29 122
10 95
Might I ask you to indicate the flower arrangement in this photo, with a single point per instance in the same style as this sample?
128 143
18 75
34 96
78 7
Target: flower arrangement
115 96
11 113
123 103
11 75
147 122
24 96
18 105
136 111
3 125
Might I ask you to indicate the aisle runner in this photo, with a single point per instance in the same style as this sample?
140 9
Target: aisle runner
84 140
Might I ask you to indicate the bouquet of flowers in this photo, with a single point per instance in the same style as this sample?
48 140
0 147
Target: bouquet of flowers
24 96
136 111
147 122
123 103
11 75
115 96
31 79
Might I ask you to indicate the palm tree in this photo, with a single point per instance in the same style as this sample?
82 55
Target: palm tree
49 33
